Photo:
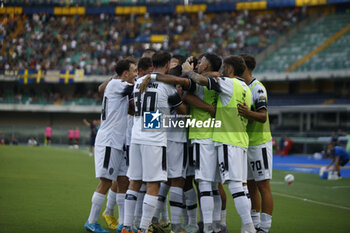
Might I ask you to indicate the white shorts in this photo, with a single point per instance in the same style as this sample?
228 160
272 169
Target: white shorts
177 159
206 162
260 162
147 163
109 162
233 163
190 171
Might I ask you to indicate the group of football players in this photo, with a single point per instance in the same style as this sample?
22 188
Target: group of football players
139 162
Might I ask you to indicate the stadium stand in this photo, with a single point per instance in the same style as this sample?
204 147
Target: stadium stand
94 42
44 94
308 39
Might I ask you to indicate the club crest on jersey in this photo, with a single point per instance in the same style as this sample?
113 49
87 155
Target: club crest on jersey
152 120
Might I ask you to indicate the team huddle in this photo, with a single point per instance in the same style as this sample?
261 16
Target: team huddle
138 166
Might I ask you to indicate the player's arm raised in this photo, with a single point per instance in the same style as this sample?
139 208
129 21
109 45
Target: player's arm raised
165 78
102 86
86 122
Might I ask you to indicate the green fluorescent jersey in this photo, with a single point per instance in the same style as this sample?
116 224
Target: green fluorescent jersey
259 133
233 129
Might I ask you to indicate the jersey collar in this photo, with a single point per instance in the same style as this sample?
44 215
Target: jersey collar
252 81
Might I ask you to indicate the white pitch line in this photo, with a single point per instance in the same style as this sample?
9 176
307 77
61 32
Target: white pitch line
340 187
276 182
311 201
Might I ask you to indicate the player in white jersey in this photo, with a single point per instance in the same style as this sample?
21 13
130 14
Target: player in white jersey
259 151
144 66
177 158
205 156
148 142
231 137
109 157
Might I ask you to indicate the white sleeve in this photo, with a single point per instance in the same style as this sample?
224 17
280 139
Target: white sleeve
224 87
259 97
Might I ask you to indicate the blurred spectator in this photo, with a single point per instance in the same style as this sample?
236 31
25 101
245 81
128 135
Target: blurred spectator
14 140
287 145
281 145
334 138
48 135
95 42
70 137
342 139
94 126
76 137
2 139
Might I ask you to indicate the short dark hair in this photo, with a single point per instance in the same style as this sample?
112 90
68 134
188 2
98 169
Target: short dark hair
214 61
180 57
144 63
147 51
124 65
249 61
237 63
160 59
177 70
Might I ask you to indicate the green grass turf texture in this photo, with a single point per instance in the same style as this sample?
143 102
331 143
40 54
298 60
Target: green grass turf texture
45 189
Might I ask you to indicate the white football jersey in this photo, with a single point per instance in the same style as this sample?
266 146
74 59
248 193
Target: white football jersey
114 113
129 129
177 134
159 97
259 95
224 87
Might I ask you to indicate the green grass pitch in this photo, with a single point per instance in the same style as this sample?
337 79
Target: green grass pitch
49 190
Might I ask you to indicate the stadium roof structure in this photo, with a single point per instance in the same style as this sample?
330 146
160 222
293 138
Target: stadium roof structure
82 7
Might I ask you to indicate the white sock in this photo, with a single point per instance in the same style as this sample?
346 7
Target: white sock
245 189
162 201
184 211
129 210
241 201
207 201
110 202
223 218
266 220
217 209
139 203
176 204
121 204
97 201
191 204
256 218
148 209
164 211
200 212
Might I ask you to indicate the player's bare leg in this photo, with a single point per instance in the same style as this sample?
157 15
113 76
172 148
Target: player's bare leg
267 204
256 202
